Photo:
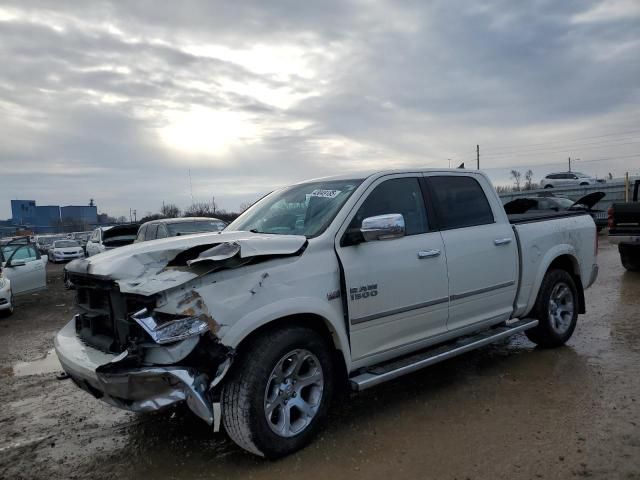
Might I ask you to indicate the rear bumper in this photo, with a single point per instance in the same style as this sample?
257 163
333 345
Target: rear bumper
618 239
142 389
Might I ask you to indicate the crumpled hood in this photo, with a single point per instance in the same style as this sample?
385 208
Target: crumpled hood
141 267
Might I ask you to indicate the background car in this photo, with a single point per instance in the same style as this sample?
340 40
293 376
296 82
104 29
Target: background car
567 179
81 238
558 204
22 270
43 242
63 250
106 238
173 227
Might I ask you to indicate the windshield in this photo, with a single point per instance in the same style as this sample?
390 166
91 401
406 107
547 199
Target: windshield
304 209
563 202
6 251
65 244
199 226
47 240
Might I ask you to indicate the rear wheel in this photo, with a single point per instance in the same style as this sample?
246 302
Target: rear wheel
278 392
630 257
548 186
556 309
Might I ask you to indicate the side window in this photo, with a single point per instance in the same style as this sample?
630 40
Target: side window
151 232
459 202
94 236
162 231
544 205
399 195
25 253
140 235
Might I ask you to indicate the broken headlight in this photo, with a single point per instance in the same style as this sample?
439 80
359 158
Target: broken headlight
171 330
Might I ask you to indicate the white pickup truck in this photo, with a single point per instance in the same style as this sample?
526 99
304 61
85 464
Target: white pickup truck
358 278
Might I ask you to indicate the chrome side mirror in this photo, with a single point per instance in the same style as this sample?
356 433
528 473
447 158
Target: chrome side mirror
383 227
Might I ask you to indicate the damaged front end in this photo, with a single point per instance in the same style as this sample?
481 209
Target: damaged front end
143 338
162 364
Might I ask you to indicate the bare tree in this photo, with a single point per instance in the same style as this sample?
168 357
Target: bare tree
170 210
528 180
516 175
199 209
245 206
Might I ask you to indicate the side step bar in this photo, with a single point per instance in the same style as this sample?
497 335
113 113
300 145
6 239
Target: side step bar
395 368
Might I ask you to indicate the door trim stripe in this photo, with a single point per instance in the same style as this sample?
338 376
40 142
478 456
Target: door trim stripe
437 301
417 306
470 293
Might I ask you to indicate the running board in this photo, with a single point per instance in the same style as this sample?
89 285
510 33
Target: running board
389 370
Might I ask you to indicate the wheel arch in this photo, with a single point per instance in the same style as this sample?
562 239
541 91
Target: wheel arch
567 261
242 333
570 264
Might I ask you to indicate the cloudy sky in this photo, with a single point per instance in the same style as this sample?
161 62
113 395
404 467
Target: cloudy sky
119 101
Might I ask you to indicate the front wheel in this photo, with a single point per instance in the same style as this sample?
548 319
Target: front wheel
278 392
11 308
556 309
548 186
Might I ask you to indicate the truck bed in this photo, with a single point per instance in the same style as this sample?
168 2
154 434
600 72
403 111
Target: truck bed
518 218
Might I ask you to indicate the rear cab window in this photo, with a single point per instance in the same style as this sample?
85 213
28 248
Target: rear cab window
141 233
459 202
151 231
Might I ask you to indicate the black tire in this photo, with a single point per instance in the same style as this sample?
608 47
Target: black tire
8 312
244 391
630 257
68 285
545 334
584 184
548 186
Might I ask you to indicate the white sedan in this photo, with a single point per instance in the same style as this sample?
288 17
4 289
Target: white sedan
22 270
63 250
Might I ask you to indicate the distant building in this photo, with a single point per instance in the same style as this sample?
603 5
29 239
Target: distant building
84 213
23 212
52 218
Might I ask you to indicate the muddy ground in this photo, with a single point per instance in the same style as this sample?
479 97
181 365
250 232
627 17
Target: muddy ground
507 411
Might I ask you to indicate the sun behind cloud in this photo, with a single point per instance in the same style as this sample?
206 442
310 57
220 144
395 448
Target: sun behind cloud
207 131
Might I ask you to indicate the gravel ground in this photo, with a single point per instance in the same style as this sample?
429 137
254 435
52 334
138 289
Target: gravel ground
506 411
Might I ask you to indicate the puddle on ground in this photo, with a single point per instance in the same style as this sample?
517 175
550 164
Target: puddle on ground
48 364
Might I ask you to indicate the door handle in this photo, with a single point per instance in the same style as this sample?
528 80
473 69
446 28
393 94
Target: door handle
502 241
428 253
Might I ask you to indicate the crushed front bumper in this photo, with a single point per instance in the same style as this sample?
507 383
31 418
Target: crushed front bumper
142 389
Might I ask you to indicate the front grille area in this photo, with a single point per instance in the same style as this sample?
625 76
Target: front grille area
103 314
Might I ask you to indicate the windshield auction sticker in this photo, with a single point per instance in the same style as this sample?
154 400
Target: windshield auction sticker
326 193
